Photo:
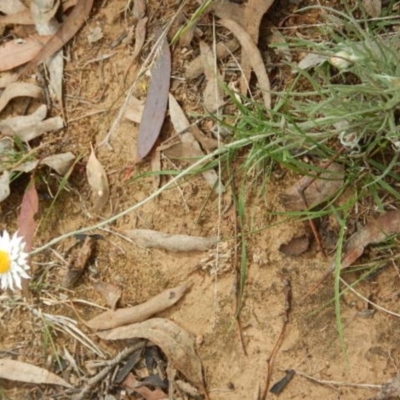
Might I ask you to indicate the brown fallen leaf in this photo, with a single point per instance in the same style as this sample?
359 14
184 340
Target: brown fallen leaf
77 261
43 14
174 341
195 68
213 95
139 313
253 14
98 182
253 56
29 127
375 231
156 102
296 246
181 124
67 31
19 89
22 372
110 292
316 190
61 163
180 243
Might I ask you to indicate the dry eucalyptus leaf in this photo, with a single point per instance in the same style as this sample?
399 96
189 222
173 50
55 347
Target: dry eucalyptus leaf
19 371
19 51
195 68
139 9
139 313
253 56
11 126
134 111
11 6
98 182
311 60
174 341
213 96
110 292
180 243
309 191
61 163
67 30
4 185
26 166
375 231
28 127
156 101
253 14
19 89
43 13
181 124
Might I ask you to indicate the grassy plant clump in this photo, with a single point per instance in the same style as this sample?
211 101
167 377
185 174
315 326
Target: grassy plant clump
347 107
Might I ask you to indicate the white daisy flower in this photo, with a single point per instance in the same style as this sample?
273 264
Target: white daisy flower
13 261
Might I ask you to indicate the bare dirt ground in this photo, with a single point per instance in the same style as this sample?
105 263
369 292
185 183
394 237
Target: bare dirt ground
232 370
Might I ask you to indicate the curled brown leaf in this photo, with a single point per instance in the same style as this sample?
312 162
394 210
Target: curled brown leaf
139 313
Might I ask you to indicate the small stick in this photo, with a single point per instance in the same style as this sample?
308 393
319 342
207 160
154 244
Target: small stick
339 383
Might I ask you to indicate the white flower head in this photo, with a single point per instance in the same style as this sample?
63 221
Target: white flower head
13 261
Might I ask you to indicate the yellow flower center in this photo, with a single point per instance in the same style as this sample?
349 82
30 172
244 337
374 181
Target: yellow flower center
5 263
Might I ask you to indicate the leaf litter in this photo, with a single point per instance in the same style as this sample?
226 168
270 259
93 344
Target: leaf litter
64 34
174 341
